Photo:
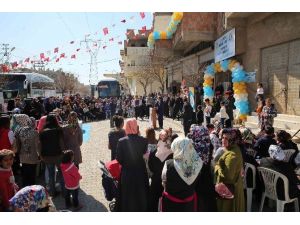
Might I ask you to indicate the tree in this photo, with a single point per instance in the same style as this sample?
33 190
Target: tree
144 77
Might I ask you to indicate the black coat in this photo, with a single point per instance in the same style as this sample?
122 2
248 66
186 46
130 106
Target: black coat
262 146
134 185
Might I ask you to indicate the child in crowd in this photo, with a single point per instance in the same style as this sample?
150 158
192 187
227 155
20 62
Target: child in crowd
71 177
207 111
8 187
223 114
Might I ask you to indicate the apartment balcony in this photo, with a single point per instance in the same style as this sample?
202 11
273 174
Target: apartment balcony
194 29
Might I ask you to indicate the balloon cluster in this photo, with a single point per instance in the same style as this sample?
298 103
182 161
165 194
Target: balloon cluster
163 35
239 84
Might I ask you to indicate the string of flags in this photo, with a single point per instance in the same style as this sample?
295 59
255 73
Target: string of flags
46 56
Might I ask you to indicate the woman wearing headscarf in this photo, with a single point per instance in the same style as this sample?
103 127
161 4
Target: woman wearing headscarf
6 134
228 170
134 185
27 145
73 137
179 177
204 187
275 162
31 199
156 163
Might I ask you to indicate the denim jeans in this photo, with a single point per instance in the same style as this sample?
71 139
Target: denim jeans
52 178
74 194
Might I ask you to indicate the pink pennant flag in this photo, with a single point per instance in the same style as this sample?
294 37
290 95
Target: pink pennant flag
27 60
123 21
104 47
72 42
78 49
120 43
47 59
42 55
142 14
111 39
57 60
56 50
62 55
105 30
73 56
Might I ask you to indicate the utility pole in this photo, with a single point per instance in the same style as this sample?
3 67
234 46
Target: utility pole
93 47
5 53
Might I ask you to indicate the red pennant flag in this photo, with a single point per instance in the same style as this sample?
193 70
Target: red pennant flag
42 55
27 60
78 49
47 59
62 55
142 14
14 64
5 68
72 42
57 60
104 47
105 30
144 28
123 21
56 50
111 39
120 43
73 56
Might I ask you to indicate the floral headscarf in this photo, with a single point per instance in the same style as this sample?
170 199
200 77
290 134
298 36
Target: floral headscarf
276 152
231 135
30 199
186 160
20 120
201 141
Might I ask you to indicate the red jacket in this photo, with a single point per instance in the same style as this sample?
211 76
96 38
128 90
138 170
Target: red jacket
4 140
71 175
7 190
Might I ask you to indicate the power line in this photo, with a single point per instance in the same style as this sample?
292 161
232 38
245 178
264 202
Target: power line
68 28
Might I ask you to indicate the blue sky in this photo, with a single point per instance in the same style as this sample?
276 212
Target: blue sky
35 33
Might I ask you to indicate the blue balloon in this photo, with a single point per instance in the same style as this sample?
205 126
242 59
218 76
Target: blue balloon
242 106
210 69
238 75
208 91
224 65
169 35
156 35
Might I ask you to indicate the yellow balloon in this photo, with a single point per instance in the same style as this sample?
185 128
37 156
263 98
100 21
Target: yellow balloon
163 35
177 16
150 37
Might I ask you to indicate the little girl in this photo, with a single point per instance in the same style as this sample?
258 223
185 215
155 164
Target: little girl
71 177
8 187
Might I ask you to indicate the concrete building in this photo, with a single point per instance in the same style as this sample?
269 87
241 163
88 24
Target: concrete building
269 43
189 51
136 61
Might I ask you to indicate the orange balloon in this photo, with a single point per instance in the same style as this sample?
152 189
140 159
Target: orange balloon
163 35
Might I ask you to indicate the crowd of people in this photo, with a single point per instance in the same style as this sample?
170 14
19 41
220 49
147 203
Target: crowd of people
203 171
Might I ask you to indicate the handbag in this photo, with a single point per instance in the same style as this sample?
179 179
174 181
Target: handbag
225 191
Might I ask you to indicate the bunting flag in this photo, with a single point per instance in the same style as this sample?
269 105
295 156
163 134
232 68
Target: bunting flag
72 42
42 55
56 50
27 60
47 59
142 14
105 30
123 21
78 49
14 64
73 56
62 55
57 60
120 43
111 39
104 47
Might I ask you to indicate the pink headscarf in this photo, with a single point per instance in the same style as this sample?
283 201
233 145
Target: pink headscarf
131 127
41 123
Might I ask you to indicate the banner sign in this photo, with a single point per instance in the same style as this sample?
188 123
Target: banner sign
225 46
192 98
250 77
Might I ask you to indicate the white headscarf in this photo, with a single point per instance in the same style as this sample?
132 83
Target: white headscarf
276 152
186 160
163 147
